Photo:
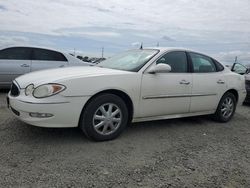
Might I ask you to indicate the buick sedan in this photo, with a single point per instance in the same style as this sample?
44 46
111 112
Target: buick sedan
134 86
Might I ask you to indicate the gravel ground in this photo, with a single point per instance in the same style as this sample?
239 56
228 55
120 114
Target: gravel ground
189 152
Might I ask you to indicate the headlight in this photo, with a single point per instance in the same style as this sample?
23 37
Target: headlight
47 90
29 89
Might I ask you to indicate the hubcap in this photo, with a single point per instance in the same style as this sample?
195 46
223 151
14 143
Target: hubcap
107 119
227 107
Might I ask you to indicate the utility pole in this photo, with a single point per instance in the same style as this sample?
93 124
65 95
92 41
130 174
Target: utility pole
74 52
158 44
102 51
141 46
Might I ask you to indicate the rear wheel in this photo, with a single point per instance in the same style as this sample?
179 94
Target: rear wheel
226 108
104 117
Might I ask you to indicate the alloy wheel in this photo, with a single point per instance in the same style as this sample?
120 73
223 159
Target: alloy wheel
227 107
107 119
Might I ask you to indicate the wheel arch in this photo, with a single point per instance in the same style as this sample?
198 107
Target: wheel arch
217 116
124 96
234 92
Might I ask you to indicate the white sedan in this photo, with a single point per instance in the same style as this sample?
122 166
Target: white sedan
137 85
19 60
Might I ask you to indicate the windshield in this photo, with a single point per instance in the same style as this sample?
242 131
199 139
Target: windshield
132 60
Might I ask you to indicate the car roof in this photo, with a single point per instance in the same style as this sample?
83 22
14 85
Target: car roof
171 49
31 46
166 49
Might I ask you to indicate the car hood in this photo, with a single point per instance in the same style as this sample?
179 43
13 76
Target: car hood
59 74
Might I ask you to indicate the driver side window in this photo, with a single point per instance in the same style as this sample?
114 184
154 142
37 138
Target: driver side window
177 61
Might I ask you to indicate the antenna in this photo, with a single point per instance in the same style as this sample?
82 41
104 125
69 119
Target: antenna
102 51
141 48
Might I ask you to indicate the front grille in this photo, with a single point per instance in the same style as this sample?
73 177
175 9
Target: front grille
14 91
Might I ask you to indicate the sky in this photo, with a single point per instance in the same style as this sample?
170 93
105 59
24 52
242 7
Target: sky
218 28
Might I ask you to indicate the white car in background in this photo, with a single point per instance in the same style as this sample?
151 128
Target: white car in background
19 60
137 85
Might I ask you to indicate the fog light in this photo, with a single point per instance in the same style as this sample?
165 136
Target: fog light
40 115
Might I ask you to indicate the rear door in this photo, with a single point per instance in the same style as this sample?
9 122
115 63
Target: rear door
208 83
47 59
14 62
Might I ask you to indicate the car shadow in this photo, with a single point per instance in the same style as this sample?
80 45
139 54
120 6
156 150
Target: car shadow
75 135
246 104
3 91
170 123
55 134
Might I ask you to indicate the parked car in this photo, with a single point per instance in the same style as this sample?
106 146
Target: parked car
137 85
98 60
18 60
247 77
243 70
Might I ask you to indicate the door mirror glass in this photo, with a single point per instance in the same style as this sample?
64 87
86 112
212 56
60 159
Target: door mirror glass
160 68
239 68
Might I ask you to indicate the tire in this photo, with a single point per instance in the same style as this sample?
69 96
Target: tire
225 111
104 118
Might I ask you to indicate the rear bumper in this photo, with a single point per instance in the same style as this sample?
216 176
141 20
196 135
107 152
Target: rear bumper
64 114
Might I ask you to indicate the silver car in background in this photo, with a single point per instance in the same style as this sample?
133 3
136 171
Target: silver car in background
19 60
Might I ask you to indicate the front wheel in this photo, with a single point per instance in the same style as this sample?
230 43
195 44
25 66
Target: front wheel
104 117
226 108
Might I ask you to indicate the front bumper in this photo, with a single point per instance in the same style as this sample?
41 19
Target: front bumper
65 113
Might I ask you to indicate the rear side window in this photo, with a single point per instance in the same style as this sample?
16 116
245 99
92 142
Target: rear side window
201 63
47 55
16 53
177 60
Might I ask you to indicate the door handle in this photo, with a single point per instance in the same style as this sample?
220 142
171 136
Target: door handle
24 65
184 82
220 82
61 65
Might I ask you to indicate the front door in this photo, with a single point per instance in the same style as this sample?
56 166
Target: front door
167 93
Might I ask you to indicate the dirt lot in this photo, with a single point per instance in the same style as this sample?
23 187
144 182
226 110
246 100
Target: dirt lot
190 152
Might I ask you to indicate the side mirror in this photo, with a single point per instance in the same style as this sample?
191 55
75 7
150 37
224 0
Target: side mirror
248 71
160 68
239 68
